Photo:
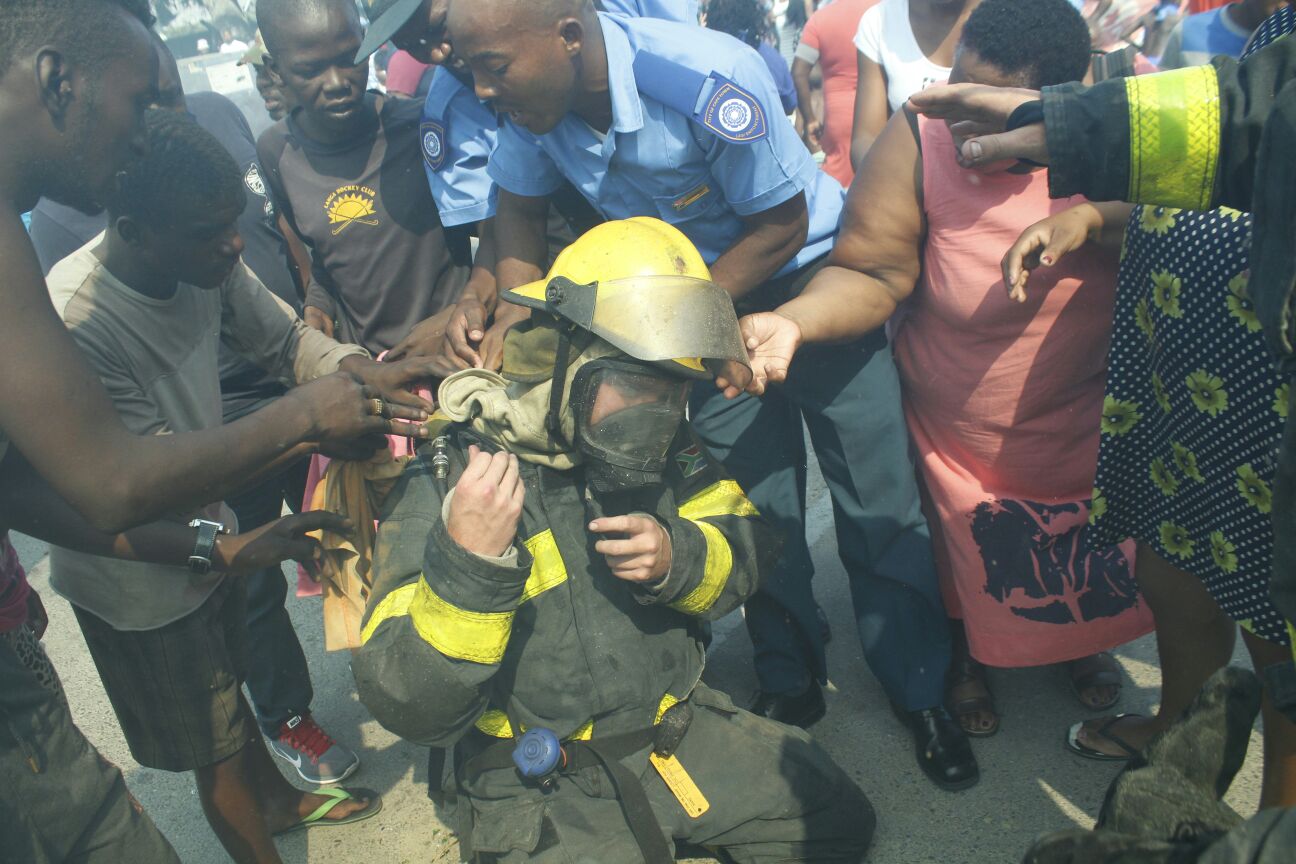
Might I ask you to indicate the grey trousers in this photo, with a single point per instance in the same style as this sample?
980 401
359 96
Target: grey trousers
60 801
775 796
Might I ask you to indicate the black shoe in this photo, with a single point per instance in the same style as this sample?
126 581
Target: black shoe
942 748
802 709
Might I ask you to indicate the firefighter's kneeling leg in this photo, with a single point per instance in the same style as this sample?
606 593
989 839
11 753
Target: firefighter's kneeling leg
772 795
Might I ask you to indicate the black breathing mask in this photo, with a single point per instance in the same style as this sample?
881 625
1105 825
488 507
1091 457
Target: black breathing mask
627 414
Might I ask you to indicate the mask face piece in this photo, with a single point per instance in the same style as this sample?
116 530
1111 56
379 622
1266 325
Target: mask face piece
627 415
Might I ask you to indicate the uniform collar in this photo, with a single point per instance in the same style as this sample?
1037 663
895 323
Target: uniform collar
627 107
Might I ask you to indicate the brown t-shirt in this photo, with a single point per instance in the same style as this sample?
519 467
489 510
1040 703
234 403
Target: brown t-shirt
382 260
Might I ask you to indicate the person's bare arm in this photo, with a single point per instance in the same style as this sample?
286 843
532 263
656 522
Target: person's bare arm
871 108
878 256
769 240
812 125
55 410
874 266
29 505
520 253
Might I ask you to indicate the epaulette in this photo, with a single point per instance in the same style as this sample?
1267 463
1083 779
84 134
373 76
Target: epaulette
712 100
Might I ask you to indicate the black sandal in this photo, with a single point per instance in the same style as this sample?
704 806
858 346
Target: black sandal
964 674
1102 671
1074 744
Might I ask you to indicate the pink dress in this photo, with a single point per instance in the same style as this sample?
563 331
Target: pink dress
831 32
1003 401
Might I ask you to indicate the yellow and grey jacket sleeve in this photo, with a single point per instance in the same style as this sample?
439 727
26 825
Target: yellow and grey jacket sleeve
1195 138
720 546
1186 138
438 622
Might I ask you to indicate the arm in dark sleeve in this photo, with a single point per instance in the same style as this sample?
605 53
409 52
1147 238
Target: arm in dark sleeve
720 546
1187 138
438 621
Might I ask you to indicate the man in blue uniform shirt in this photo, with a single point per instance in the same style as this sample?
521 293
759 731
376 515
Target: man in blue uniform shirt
655 118
458 134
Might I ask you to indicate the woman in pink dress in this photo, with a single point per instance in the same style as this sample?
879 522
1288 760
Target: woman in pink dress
828 41
1003 400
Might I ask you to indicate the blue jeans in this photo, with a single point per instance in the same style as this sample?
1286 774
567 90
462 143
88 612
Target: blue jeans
277 676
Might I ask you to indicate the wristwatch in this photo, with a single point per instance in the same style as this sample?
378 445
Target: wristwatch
200 559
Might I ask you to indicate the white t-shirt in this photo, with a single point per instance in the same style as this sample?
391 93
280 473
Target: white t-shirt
885 37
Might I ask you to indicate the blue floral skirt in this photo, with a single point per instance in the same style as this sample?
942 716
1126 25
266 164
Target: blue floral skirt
1194 411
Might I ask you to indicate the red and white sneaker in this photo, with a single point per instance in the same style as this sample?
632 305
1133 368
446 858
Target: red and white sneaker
313 752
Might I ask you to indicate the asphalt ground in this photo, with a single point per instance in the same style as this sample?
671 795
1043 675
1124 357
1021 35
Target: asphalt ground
1030 785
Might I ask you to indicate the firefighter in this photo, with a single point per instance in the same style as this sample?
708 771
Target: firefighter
544 572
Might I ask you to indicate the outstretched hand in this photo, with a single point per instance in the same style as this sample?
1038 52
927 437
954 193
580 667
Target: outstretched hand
465 332
772 341
349 417
1044 244
491 349
978 115
285 539
393 382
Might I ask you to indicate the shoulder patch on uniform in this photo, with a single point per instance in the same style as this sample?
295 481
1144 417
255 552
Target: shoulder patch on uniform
691 461
432 137
733 113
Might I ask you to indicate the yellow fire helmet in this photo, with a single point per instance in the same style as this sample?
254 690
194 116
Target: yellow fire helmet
640 285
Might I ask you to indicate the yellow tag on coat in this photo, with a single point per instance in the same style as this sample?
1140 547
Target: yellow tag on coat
681 785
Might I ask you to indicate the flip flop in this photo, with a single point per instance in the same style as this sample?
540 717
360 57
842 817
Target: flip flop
338 796
1104 671
1077 747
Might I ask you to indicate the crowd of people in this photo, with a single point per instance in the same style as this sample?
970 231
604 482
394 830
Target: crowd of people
562 310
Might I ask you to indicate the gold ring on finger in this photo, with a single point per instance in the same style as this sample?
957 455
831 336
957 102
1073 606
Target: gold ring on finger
379 407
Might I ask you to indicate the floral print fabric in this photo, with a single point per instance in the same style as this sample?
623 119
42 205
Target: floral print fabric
1194 411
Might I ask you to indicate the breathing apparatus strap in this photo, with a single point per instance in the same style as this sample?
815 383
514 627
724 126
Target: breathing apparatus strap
562 359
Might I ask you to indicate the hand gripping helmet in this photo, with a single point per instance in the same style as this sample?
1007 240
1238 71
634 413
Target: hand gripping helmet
640 286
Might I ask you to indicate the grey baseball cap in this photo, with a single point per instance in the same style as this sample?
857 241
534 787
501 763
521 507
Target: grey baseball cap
385 18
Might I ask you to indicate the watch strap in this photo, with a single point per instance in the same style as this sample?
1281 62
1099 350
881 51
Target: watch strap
200 560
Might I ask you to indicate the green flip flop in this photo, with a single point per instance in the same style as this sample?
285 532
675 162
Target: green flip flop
337 796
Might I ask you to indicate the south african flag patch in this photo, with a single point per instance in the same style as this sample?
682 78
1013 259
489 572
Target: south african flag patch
691 461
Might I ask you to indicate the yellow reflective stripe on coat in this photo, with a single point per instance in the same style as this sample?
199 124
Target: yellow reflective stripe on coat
547 568
394 605
1174 137
495 723
1291 631
715 574
725 498
480 637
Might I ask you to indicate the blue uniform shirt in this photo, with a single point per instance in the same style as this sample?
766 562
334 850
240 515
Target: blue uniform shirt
684 11
656 161
459 130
